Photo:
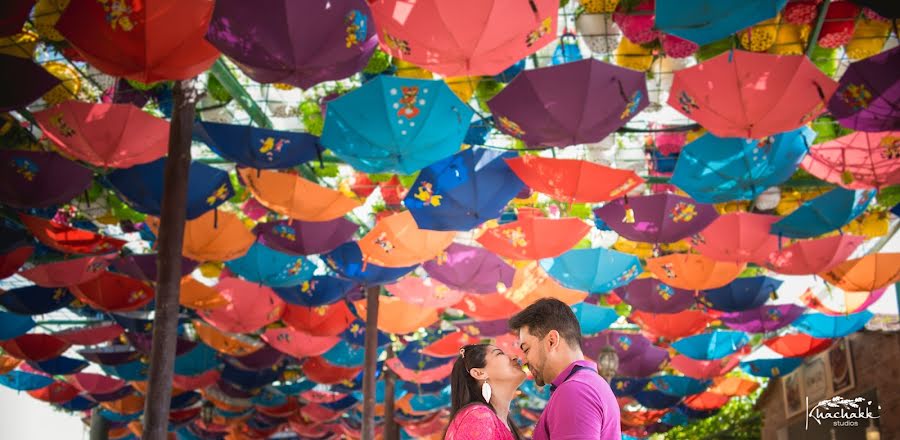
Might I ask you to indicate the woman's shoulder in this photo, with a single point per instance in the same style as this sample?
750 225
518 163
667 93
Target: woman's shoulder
475 421
476 411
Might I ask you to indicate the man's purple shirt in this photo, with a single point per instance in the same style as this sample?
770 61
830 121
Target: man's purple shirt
580 408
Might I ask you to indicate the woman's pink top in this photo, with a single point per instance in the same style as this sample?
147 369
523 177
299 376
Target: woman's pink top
477 422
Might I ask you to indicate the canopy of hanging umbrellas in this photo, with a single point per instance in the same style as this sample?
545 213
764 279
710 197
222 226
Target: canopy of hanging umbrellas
708 184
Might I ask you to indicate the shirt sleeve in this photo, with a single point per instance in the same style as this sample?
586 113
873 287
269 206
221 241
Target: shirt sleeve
475 422
576 416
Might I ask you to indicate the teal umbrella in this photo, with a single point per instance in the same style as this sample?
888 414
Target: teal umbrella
712 345
596 270
594 319
825 213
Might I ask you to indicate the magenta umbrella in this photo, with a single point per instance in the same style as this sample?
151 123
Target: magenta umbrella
868 93
298 237
657 218
35 179
470 269
763 319
652 295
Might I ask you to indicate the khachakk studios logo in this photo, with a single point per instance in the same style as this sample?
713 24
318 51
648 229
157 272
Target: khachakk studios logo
839 411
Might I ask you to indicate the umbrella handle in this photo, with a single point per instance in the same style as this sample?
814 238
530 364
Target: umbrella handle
622 91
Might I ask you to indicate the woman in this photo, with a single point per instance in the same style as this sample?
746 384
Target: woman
483 383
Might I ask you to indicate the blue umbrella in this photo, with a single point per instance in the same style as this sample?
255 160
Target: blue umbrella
715 170
594 319
695 414
141 187
291 389
430 387
24 381
346 260
269 396
356 335
259 148
819 325
13 325
248 380
705 21
656 399
269 267
712 345
412 357
35 300
60 365
393 124
430 402
115 417
320 290
593 270
824 213
78 404
679 386
184 400
740 294
344 403
627 386
131 371
773 367
199 360
345 354
675 418
463 191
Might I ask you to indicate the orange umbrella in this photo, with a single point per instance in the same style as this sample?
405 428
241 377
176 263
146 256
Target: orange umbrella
396 241
425 292
398 316
706 401
798 345
214 236
671 325
196 295
329 320
8 363
113 292
127 405
448 345
871 272
296 197
533 237
234 345
694 272
733 386
531 283
572 180
642 417
487 307
299 344
320 371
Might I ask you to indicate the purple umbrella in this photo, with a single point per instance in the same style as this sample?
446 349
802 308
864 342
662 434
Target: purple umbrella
113 395
763 319
35 179
299 43
645 363
143 266
24 82
627 345
868 93
658 218
233 391
297 237
123 93
470 269
142 342
651 295
486 329
265 357
567 104
111 355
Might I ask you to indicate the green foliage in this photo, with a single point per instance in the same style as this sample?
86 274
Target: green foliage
121 211
826 60
216 90
329 170
379 62
141 86
888 197
240 191
311 116
710 50
485 90
827 128
737 420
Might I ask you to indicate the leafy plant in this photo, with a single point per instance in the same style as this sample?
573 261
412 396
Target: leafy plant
737 420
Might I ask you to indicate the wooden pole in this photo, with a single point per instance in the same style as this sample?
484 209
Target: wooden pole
391 429
168 281
99 426
371 361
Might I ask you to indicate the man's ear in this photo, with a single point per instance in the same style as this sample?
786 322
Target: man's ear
552 340
478 373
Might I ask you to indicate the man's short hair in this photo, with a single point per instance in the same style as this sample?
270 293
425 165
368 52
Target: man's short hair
548 314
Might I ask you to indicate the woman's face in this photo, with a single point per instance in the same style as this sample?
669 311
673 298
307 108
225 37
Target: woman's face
502 367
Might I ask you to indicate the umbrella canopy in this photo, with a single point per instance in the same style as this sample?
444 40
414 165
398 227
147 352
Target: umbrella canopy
573 103
820 325
751 95
798 345
67 239
302 48
658 218
296 197
24 381
144 266
773 367
626 386
871 272
825 213
463 191
533 237
91 335
223 342
680 386
329 320
14 325
470 269
146 42
56 392
298 237
35 347
13 260
113 292
35 179
652 295
704 369
858 160
656 399
741 294
571 180
715 170
532 283
438 37
405 317
298 344
487 307
394 124
596 270
214 236
711 345
738 237
706 401
251 307
693 272
424 292
396 241
866 96
32 81
260 148
141 187
105 135
733 386
672 325
594 319
68 272
348 262
59 366
319 290
807 257
763 319
834 301
706 21
35 300
321 372
269 267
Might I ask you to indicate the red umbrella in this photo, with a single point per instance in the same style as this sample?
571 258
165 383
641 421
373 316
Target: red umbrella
199 381
94 383
11 261
672 325
68 272
91 335
105 135
706 401
533 237
808 257
738 237
56 392
147 41
112 292
798 345
35 347
320 371
704 369
573 180
329 320
487 307
297 343
448 345
68 239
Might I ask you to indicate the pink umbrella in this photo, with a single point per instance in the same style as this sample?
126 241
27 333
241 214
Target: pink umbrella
808 257
738 237
297 343
704 369
833 301
68 272
425 292
858 160
251 306
91 335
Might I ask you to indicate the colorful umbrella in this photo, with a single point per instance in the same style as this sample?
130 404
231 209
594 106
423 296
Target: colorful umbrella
260 148
487 307
807 257
834 301
823 214
448 345
573 103
858 160
571 180
693 272
462 191
226 343
679 386
305 238
296 197
706 21
35 347
319 290
67 239
347 261
68 272
12 261
35 179
706 401
741 294
711 345
656 218
533 237
269 267
434 35
344 354
91 335
298 344
871 272
470 269
105 135
32 82
763 319
671 325
56 392
141 187
59 366
820 325
321 321
23 381
733 386
251 307
656 399
596 270
396 241
424 292
215 236
774 367
798 345
738 237
144 266
112 355
320 371
751 95
626 386
704 369
594 319
651 295
393 124
113 292
715 170
144 42
866 97
532 283
35 300
405 317
14 325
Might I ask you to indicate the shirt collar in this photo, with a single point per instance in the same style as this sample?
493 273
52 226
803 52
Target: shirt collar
565 373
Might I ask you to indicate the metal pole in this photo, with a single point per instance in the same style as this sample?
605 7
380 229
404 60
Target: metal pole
391 429
99 426
814 37
371 361
171 237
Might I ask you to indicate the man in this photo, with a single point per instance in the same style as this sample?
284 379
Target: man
582 405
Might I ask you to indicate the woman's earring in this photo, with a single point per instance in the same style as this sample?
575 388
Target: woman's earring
486 392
